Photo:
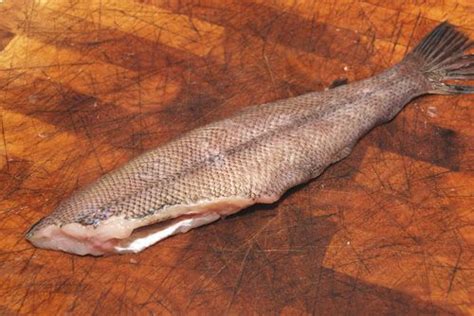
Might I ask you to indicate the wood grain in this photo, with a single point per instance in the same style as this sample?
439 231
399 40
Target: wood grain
87 85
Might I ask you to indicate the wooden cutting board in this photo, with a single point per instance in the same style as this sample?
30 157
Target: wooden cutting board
87 85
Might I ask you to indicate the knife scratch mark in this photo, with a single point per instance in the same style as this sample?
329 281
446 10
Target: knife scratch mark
239 279
455 269
7 162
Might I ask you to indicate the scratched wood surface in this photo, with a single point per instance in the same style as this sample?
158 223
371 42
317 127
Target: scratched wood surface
87 85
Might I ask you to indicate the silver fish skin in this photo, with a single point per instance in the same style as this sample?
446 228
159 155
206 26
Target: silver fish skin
252 157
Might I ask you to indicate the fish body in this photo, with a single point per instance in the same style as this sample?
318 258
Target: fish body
251 157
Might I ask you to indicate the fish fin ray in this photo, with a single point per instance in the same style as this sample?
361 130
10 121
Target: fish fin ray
441 56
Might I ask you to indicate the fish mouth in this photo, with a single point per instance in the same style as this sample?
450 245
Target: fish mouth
118 234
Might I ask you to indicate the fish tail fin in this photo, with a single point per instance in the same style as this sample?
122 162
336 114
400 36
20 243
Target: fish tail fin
441 56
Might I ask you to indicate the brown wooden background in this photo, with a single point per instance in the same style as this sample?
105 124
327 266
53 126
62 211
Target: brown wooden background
87 85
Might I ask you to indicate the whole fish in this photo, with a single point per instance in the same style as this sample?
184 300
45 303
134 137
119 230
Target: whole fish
251 157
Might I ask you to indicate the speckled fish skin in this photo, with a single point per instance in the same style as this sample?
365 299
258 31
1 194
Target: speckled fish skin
255 155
